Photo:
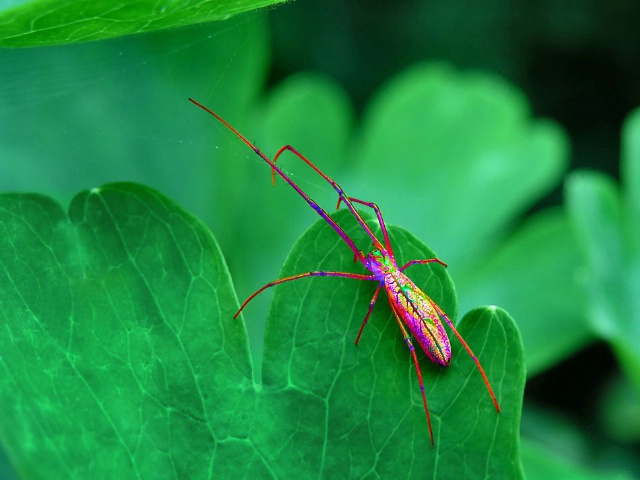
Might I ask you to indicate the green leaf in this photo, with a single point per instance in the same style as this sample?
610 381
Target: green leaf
120 357
537 269
630 165
541 463
619 410
324 129
28 23
555 445
357 410
606 221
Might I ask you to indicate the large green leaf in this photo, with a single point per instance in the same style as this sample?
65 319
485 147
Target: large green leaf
27 23
120 357
359 397
117 356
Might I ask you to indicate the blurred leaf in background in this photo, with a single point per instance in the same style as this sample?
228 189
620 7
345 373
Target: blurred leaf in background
607 221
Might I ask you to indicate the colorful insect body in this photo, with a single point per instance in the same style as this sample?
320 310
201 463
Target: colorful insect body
410 305
413 307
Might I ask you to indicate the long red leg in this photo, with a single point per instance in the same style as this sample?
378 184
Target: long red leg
422 262
471 354
378 213
407 339
357 276
455 331
341 195
366 318
319 210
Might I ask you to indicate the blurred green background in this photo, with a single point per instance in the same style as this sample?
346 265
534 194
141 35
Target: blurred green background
494 132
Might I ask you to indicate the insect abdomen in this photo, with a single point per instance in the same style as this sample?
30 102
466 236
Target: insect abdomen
416 311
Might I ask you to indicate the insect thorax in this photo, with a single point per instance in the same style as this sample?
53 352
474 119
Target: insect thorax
380 263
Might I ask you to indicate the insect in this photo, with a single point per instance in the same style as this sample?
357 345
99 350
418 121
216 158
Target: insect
413 309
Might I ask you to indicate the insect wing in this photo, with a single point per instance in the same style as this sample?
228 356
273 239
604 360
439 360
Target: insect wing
419 314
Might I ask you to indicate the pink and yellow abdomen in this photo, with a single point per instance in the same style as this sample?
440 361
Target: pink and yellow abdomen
417 312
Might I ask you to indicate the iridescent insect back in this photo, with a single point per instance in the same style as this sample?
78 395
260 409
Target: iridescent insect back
412 308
